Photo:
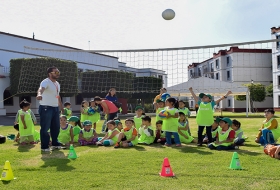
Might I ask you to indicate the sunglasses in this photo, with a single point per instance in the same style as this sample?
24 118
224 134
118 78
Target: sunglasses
56 72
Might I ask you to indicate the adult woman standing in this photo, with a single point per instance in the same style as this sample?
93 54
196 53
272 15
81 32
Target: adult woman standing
111 96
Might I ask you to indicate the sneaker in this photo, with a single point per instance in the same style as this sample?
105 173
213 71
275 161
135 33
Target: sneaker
167 144
178 145
236 147
46 150
117 145
58 147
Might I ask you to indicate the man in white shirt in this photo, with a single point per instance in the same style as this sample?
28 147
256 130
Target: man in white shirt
49 109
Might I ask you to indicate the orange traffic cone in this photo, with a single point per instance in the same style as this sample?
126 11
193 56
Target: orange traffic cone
166 170
7 174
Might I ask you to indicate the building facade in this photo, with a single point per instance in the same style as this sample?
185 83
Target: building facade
239 66
15 46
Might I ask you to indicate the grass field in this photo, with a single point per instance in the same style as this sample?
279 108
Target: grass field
139 167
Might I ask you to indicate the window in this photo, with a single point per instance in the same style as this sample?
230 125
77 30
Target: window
9 101
27 98
160 77
228 61
278 61
192 104
229 103
228 75
212 75
217 64
79 99
191 73
278 43
212 67
199 71
278 80
278 101
217 76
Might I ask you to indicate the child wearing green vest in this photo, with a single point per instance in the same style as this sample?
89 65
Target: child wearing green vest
26 124
138 117
84 111
239 137
184 135
66 134
214 130
74 121
111 137
170 124
93 113
160 107
119 125
146 131
205 117
185 110
225 136
128 136
66 110
88 135
270 131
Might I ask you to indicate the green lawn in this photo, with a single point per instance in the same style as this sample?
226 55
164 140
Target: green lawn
138 167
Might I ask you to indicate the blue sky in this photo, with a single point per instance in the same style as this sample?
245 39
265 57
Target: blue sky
137 24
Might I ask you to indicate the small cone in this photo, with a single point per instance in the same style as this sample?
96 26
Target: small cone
7 174
166 170
235 163
72 154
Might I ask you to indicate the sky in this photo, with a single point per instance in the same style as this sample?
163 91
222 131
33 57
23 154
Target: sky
138 24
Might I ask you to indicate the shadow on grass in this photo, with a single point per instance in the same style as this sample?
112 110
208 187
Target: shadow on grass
56 159
24 148
246 152
195 149
140 148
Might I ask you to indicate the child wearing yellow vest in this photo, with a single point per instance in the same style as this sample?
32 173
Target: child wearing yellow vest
138 117
111 137
170 124
214 130
88 135
74 121
239 137
185 110
184 135
66 134
84 111
205 117
146 131
270 131
160 107
128 136
224 137
66 110
93 113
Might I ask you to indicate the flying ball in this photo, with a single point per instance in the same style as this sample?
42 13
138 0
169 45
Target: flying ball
168 14
91 111
163 114
164 96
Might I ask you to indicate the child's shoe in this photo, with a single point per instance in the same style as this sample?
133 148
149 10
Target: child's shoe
178 145
117 145
236 147
167 144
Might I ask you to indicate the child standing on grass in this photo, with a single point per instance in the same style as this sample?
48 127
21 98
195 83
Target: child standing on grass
66 110
88 135
160 107
84 111
225 136
184 109
74 121
66 135
204 117
160 135
138 117
170 124
36 135
128 136
239 139
111 137
93 113
26 124
146 131
184 135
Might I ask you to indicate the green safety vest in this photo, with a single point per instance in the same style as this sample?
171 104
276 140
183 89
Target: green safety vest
29 124
185 111
144 138
214 133
185 132
137 122
64 135
205 115
170 124
88 134
84 116
67 112
157 112
223 137
128 135
76 132
115 138
275 132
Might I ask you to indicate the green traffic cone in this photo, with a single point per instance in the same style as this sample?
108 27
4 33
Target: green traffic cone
72 154
235 163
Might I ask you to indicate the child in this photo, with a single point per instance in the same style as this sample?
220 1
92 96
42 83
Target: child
160 107
214 130
111 136
66 134
270 131
184 135
239 140
138 117
93 113
160 135
184 109
31 113
146 131
272 150
26 125
66 110
36 135
88 135
74 121
225 136
119 125
170 124
84 111
128 136
204 117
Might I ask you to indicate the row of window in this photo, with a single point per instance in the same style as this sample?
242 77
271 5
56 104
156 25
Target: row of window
211 75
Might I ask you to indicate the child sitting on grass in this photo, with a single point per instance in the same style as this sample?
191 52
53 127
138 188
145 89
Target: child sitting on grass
272 150
66 134
239 138
74 121
88 135
160 135
184 135
129 135
111 137
146 131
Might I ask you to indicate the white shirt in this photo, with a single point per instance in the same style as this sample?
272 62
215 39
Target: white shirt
51 93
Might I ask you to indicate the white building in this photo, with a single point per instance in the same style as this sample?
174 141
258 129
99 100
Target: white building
275 34
14 46
239 66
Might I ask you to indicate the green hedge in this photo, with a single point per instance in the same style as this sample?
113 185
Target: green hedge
26 75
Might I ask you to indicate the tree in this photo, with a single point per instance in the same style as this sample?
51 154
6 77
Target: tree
257 92
269 90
